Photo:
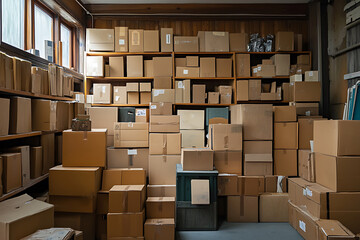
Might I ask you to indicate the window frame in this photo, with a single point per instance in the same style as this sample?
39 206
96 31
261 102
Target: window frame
71 41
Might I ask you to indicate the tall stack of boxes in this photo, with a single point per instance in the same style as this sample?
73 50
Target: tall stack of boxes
192 128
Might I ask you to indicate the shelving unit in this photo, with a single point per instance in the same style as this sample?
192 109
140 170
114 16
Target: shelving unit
21 135
119 105
6 91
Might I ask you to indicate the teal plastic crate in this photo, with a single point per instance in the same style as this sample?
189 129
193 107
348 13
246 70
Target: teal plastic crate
183 183
222 112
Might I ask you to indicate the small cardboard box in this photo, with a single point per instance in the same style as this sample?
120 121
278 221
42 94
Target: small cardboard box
303 59
192 61
120 95
20 115
159 229
188 72
102 93
285 162
101 40
306 130
282 64
151 41
131 135
182 91
121 39
142 115
163 66
125 224
267 71
127 198
162 169
242 65
213 97
167 43
242 90
165 143
128 158
116 66
284 114
242 209
148 68
136 40
238 42
207 67
273 207
225 94
286 135
254 89
257 158
200 192
101 117
134 66
145 97
164 124
311 76
162 82
161 190
43 115
225 136
25 162
180 62
35 162
160 207
163 95
296 78
284 41
11 174
94 66
145 87
216 41
191 119
229 162
199 93
224 67
197 159
305 91
123 176
192 138
160 108
186 44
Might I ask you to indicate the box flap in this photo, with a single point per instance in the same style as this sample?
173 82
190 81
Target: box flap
332 228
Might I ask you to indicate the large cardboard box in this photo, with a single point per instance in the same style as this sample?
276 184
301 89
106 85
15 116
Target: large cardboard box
25 162
306 165
35 162
167 43
159 229
216 41
161 190
128 158
192 138
286 135
188 72
257 120
125 224
336 137
102 93
255 89
20 115
284 114
273 207
84 222
136 40
5 116
127 198
207 67
134 66
225 136
163 95
11 171
242 65
242 209
201 36
162 169
284 41
305 91
197 159
23 215
242 90
131 135
164 124
121 39
250 185
43 115
123 176
191 119
94 66
258 159
306 128
151 40
282 64
333 229
186 44
224 67
84 148
160 207
285 162
228 162
163 67
162 82
238 42
199 93
116 65
165 143
160 108
101 40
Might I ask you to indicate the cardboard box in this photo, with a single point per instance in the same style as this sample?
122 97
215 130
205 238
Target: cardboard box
25 162
84 149
107 70
192 61
11 175
227 184
254 89
119 95
167 44
94 66
258 158
216 41
200 191
132 87
128 158
282 64
286 135
225 136
145 87
136 40
197 159
180 62
305 91
285 92
303 59
242 90
101 40
275 184
131 135
285 114
116 66
207 67
30 216
151 40
199 93
296 78
20 115
133 97
160 229
256 120
228 162
160 207
224 67
8 71
306 109
148 68
163 66
192 138
35 162
123 176
162 82
134 66
162 169
43 115
102 93
213 97
121 39
332 229
48 146
73 204
165 143
225 94
306 128
250 185
186 44
142 115
311 76
284 41
17 73
191 119
306 165
201 36
266 71
298 42
161 190
182 91
101 117
165 124
302 68
238 42
62 115
188 72
285 162
242 209
273 207
160 108
242 65
125 224
163 95
127 198
25 75
84 222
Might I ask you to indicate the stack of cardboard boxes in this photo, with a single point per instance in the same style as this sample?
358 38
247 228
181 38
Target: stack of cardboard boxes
192 128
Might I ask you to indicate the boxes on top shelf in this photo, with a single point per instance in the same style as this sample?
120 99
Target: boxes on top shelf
99 40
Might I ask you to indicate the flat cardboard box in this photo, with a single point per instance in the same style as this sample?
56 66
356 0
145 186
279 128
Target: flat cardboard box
160 108
142 115
101 117
207 67
162 144
242 209
102 93
133 97
238 42
85 222
284 41
275 184
101 40
17 73
128 158
43 115
162 82
127 198
161 190
191 119
336 137
9 73
227 184
199 93
273 207
11 175
213 97
197 159
163 66
242 65
216 41
20 115
84 149
159 229
257 158
250 185
162 169
282 64
242 90
306 130
24 215
74 204
192 61
134 66
305 91
94 66
35 162
167 43
228 162
255 89
188 72
163 95
62 115
311 76
224 67
5 118
164 124
119 95
25 75
225 136
192 138
121 39
285 162
186 44
148 68
286 135
160 207
48 146
125 224
116 66
25 162
306 165
333 229
151 40
131 135
123 176
200 191
285 114
136 40
257 120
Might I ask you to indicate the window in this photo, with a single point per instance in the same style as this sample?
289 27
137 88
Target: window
43 29
13 22
65 36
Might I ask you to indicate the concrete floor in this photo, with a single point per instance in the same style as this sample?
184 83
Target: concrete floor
244 231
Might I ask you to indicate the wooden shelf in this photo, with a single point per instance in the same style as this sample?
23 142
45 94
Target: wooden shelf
119 105
113 54
120 78
21 135
202 104
262 102
19 190
206 78
277 77
272 53
203 53
32 95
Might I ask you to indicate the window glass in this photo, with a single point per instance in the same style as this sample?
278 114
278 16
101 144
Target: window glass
43 29
13 22
65 39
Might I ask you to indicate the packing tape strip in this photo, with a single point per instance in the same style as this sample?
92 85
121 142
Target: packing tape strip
164 144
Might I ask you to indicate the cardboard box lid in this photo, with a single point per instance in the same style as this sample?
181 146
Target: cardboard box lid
127 188
160 199
131 126
160 221
334 228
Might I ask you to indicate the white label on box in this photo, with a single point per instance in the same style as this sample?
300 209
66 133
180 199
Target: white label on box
130 124
103 89
117 98
141 112
304 192
255 70
308 113
308 192
157 92
132 151
121 41
153 106
221 34
181 84
302 225
311 74
259 68
116 90
168 38
186 71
